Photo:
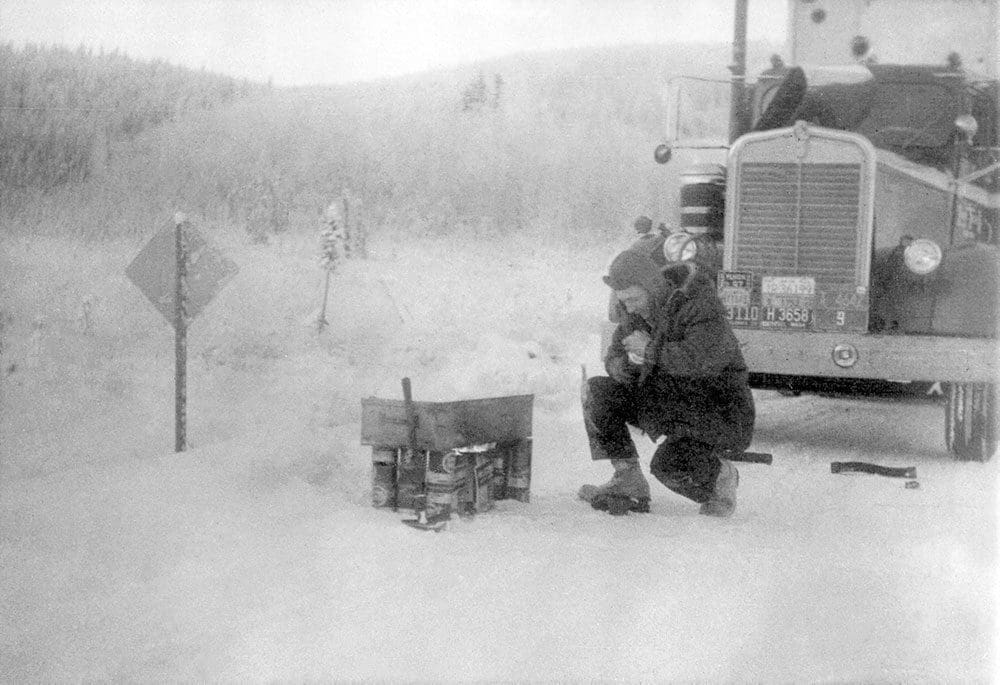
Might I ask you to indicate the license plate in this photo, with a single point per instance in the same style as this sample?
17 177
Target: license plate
787 301
788 285
735 289
786 317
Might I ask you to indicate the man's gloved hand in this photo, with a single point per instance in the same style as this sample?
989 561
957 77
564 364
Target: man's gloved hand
619 371
635 345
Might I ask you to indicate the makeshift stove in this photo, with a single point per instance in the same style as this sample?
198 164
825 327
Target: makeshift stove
439 458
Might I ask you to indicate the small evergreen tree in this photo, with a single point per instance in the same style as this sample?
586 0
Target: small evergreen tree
497 90
355 235
331 251
474 95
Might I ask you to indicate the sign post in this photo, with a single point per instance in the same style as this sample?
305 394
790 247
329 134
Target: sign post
180 273
180 335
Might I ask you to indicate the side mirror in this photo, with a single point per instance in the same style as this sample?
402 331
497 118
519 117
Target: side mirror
663 153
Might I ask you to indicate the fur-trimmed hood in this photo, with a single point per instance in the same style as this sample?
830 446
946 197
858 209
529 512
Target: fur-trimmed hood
633 268
681 275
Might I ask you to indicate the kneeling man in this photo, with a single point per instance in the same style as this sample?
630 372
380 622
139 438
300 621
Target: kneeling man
675 371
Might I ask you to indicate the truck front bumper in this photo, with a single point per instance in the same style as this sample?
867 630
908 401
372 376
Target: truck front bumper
860 355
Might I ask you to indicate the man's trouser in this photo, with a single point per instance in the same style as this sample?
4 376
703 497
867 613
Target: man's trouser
687 466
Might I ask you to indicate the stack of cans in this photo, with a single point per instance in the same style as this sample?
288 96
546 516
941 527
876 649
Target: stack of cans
463 480
398 477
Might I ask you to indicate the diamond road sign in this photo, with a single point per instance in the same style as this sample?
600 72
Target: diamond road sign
154 272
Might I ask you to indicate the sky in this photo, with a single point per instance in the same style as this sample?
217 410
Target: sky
300 42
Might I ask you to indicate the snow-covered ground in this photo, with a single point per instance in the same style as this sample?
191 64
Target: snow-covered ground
255 555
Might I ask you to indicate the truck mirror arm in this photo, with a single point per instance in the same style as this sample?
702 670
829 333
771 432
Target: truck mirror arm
976 174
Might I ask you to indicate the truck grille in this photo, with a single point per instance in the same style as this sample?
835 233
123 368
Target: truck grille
799 219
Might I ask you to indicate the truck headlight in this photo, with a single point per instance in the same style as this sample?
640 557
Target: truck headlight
922 256
679 247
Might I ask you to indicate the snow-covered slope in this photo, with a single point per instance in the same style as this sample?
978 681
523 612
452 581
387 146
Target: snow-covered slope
256 555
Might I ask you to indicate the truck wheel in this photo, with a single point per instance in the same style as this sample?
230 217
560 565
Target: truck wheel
970 421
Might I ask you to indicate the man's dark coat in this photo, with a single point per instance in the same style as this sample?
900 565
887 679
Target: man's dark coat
693 383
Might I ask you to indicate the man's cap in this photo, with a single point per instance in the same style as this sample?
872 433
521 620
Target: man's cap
632 267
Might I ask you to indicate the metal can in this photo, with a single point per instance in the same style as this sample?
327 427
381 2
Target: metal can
518 456
499 458
441 486
482 482
384 485
410 496
411 479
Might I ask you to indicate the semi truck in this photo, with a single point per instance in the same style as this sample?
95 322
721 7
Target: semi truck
849 203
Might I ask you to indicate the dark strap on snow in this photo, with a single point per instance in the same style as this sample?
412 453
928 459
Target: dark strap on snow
865 467
748 457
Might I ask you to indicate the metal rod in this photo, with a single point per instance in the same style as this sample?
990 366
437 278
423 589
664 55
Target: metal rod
347 226
411 424
180 337
976 174
322 312
750 457
865 467
411 416
737 105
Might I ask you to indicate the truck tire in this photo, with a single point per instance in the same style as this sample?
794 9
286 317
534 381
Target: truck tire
970 426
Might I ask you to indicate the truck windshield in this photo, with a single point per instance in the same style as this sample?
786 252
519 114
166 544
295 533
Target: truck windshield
910 110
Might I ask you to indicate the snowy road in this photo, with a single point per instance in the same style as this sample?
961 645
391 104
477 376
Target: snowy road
218 565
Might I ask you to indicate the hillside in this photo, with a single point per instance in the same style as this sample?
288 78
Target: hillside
561 142
63 110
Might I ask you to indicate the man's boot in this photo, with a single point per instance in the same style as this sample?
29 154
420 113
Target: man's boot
722 501
627 490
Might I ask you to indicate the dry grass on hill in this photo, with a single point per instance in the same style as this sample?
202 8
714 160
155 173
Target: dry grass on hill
563 146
